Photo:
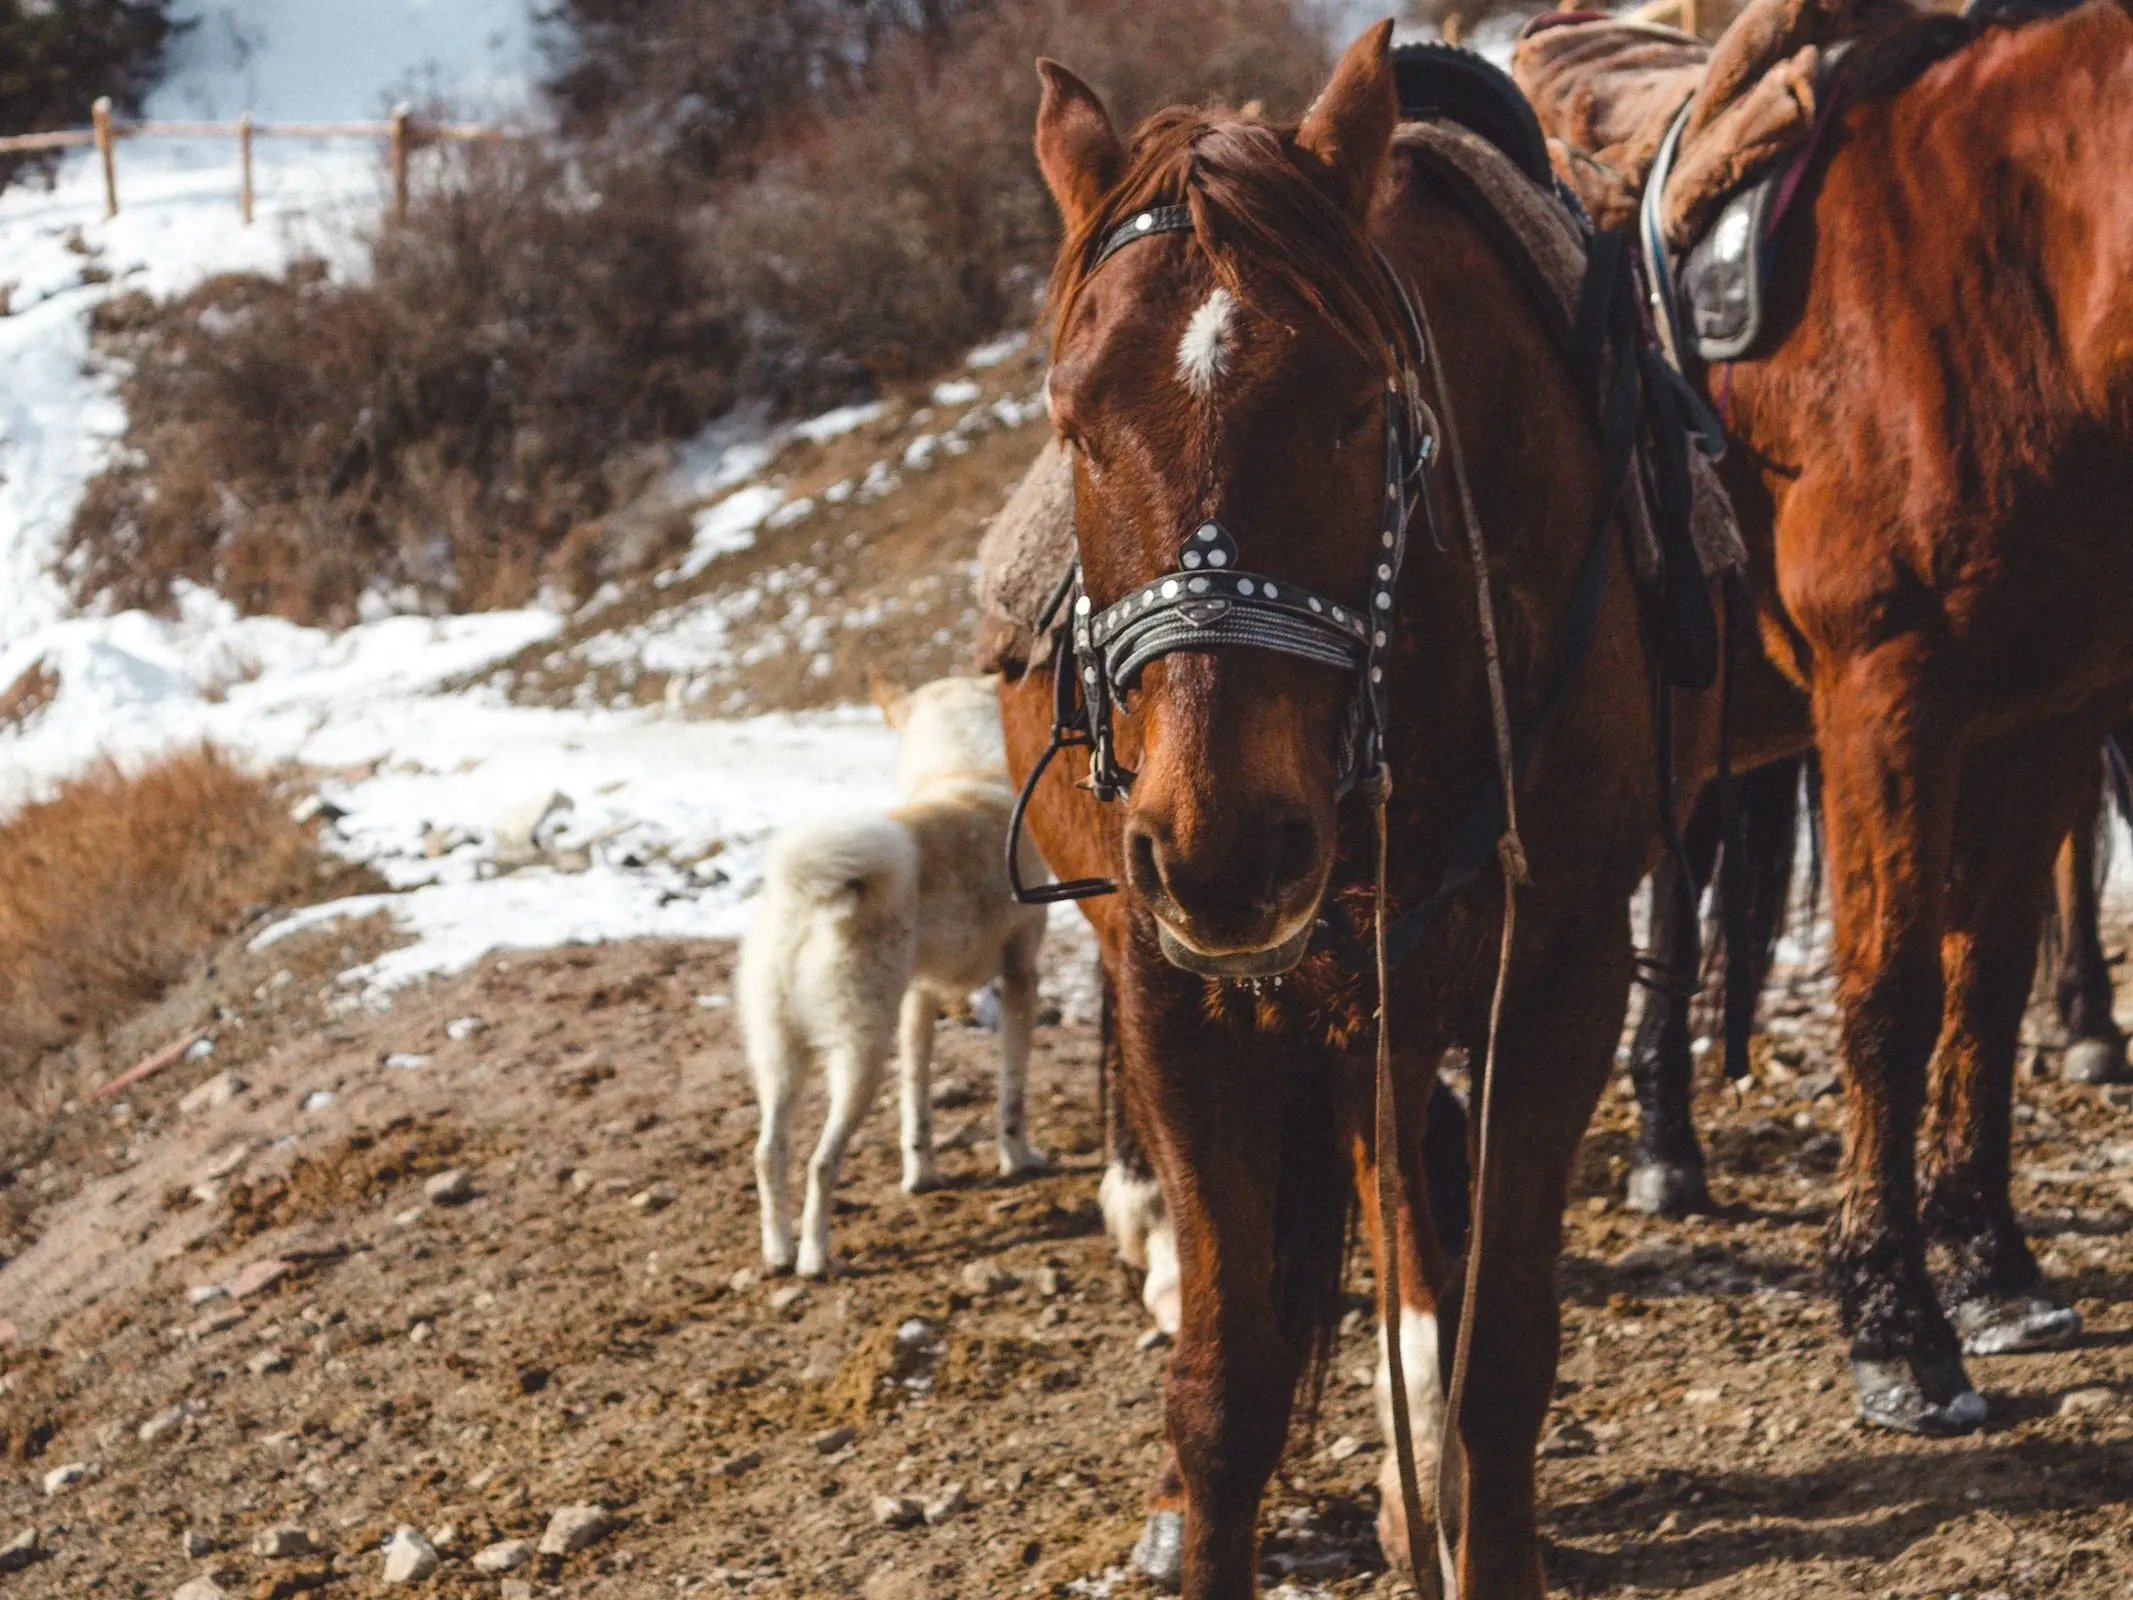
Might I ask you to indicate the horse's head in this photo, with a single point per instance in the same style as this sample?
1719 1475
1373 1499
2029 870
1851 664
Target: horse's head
1223 350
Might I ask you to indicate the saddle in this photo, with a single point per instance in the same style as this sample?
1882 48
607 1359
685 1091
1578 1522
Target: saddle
1465 120
1701 147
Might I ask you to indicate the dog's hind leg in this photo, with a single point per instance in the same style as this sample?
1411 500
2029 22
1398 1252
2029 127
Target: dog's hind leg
1018 1020
774 1060
914 1028
854 1079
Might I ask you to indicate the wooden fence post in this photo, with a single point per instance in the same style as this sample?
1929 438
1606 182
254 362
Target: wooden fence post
244 162
100 115
396 158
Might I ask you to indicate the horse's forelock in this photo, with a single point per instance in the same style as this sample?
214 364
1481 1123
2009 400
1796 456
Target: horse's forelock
1264 222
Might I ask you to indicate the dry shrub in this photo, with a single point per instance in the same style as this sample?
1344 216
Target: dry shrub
110 888
465 422
441 425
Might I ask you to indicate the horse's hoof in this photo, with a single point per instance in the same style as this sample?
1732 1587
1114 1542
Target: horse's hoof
1889 1397
1668 1189
1992 1325
2094 1061
1159 1553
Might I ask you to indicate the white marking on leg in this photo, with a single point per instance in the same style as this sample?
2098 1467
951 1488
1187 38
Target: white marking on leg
1162 1293
1425 1404
1203 349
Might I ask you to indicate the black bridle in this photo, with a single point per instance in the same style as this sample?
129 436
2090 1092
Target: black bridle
1208 602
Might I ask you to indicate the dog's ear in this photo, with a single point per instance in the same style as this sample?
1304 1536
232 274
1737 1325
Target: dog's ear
893 700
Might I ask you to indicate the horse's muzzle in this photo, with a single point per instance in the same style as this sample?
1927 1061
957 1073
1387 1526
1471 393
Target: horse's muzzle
1268 963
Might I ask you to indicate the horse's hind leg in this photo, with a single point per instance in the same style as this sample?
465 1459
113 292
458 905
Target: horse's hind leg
1889 785
2006 830
2095 1048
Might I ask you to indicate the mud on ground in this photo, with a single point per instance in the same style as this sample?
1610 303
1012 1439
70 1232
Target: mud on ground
587 1327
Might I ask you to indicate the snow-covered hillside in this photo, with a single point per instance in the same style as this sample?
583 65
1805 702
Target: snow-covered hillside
653 822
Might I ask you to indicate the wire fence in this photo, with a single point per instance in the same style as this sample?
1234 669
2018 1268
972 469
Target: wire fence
402 132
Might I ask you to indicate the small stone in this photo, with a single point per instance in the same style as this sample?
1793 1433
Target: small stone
409 1217
461 1029
409 1557
444 1536
655 1198
200 1293
735 1466
742 1281
1708 1395
420 1333
160 1424
61 1479
507 1555
406 1061
987 1277
1570 1439
1049 1282
19 1551
573 1528
1345 1447
2119 1095
266 1361
219 1090
449 1188
2091 1400
200 1589
196 1544
830 1440
897 1511
1151 1339
951 1501
281 1542
515 1589
257 1275
1815 1086
793 1294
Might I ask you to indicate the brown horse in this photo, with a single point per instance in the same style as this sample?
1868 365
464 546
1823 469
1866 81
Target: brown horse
1933 462
1232 369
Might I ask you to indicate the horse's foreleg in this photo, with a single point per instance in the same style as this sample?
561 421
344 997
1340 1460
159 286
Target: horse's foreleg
1889 785
1417 1235
1554 1052
1668 1177
2007 827
2095 1048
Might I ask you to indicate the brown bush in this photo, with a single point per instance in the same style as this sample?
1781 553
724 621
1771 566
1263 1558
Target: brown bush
461 422
440 424
112 886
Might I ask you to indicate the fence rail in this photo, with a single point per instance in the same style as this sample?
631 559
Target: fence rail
1682 13
402 132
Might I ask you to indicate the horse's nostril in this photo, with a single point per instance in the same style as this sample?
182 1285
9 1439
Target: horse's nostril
1142 868
1294 857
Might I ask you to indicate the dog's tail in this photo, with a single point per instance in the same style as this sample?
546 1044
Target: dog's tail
841 868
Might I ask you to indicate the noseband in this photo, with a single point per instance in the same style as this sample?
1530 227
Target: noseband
1208 603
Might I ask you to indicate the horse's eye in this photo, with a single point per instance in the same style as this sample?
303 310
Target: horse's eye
1355 420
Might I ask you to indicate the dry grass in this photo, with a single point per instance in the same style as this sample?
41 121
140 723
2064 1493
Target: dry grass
112 887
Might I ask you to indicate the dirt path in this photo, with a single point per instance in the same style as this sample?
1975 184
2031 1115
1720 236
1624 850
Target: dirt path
586 1328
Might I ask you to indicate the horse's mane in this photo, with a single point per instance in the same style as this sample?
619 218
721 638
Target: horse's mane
1263 220
1887 59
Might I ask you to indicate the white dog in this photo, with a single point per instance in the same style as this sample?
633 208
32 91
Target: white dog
867 927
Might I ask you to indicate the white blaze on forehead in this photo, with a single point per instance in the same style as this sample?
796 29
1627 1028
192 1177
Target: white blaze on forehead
1203 349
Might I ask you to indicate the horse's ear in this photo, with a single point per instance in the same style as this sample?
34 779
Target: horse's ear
891 697
1077 149
1349 126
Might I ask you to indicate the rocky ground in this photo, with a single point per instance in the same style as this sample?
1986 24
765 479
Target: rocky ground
463 1264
